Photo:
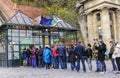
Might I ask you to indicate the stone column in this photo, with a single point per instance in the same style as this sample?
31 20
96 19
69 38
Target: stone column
90 28
95 27
105 24
83 25
118 25
115 26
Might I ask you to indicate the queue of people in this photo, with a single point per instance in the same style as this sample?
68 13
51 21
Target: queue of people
59 55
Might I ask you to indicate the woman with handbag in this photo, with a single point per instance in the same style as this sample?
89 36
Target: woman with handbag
101 56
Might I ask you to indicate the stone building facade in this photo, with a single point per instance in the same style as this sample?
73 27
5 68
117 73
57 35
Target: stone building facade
99 19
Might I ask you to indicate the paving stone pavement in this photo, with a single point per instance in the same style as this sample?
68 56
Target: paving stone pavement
29 72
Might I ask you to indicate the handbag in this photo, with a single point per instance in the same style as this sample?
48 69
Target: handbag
106 53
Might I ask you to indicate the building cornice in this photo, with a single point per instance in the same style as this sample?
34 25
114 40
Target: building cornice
82 1
102 5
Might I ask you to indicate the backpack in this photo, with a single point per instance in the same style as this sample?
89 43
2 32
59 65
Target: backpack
40 52
73 58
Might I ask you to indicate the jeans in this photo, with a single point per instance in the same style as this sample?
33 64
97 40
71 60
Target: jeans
33 61
62 61
28 61
89 63
98 64
40 62
113 64
103 66
78 63
73 65
55 62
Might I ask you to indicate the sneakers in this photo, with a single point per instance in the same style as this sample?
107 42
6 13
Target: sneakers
114 72
97 70
102 72
117 72
105 72
89 71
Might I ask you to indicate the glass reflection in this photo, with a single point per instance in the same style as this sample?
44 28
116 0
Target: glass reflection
15 40
16 55
15 32
9 32
36 40
29 33
23 33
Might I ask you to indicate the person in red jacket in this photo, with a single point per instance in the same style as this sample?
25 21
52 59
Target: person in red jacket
55 57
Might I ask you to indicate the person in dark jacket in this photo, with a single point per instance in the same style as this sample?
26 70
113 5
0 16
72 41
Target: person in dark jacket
28 56
101 56
37 64
24 56
110 56
95 53
79 51
62 55
88 55
72 57
40 57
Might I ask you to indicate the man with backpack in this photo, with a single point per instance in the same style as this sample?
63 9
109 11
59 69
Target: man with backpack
40 57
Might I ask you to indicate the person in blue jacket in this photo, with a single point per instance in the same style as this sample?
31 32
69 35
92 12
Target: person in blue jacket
24 56
47 56
79 51
61 50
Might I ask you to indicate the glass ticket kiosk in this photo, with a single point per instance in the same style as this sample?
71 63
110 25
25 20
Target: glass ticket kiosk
20 32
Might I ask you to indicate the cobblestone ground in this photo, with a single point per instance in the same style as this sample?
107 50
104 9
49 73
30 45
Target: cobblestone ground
29 72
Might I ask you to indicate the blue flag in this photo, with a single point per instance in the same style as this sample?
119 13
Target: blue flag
46 21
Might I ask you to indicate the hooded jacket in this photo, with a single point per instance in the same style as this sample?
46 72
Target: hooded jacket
46 55
116 52
54 52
